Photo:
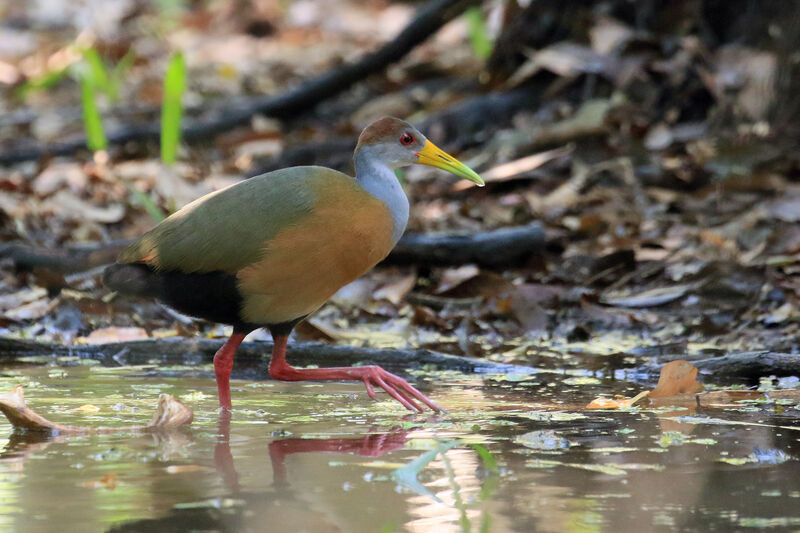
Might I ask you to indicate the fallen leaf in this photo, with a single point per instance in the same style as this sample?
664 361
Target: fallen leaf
648 298
659 137
395 291
453 277
516 168
609 34
616 403
88 408
33 310
108 482
113 334
677 377
67 204
182 469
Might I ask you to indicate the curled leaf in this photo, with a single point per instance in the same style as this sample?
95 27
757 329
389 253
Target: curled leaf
677 377
616 403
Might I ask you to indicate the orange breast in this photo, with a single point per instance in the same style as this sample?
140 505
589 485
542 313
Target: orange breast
304 264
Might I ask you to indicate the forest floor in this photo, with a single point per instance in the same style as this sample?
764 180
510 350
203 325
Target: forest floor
670 211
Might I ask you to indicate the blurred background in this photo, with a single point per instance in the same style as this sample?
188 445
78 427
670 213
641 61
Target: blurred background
653 143
641 205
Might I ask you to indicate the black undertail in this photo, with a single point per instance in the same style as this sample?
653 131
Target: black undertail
212 296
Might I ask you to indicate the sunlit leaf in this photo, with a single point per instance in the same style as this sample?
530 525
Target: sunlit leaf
407 475
489 461
92 121
144 200
96 70
171 110
478 34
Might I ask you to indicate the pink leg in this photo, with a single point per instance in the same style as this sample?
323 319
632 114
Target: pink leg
223 364
395 386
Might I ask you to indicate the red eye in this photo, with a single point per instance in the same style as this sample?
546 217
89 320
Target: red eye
406 139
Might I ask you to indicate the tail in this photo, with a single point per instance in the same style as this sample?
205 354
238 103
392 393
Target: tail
134 279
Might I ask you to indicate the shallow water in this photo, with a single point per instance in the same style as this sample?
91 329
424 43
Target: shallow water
514 453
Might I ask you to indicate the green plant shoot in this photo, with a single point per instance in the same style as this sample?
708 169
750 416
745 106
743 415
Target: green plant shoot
92 121
171 110
478 34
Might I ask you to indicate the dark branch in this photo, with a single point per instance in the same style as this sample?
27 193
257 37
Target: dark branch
499 248
252 357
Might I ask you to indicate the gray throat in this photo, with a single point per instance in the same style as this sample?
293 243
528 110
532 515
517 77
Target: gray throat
381 182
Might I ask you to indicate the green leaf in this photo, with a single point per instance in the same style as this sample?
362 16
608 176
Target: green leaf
41 82
171 110
92 121
97 69
478 35
489 462
407 475
118 72
144 200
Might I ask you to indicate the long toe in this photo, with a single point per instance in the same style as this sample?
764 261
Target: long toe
400 389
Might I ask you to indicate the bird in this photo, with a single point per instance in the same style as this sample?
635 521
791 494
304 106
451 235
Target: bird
268 251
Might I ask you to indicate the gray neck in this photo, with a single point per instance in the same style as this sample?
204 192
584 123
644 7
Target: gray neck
381 182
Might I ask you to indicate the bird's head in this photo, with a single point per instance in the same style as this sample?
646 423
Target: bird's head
397 143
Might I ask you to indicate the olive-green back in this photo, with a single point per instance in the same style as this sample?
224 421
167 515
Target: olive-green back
228 230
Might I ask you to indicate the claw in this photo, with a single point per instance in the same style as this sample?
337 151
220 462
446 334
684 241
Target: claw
396 387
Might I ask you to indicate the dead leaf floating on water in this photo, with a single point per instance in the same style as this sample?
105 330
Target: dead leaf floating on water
108 482
677 377
616 403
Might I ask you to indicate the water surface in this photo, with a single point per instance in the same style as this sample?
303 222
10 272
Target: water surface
514 453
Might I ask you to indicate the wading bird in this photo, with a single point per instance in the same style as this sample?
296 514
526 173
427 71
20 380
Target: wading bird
268 251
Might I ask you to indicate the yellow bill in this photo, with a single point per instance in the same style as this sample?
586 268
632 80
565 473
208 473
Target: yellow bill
431 155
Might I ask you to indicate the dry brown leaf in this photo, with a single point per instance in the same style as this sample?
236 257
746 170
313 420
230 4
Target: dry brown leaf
114 334
182 469
395 291
33 310
66 204
515 168
677 377
616 403
608 34
108 482
59 174
453 277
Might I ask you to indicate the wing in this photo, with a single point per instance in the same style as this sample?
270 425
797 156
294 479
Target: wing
229 229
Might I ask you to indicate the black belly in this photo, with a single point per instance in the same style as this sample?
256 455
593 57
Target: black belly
212 296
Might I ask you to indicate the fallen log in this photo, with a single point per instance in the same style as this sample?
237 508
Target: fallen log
430 17
743 365
251 357
498 248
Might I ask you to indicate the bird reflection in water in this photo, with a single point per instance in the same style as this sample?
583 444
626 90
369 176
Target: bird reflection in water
369 445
